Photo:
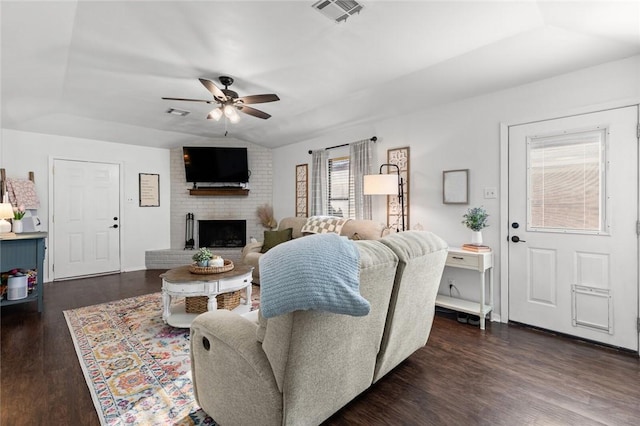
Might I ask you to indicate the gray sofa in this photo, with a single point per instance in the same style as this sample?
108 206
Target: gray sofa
301 367
366 230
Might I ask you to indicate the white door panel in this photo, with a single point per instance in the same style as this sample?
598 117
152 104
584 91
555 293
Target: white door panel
573 193
86 201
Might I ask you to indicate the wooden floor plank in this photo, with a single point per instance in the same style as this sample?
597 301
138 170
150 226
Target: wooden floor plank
505 375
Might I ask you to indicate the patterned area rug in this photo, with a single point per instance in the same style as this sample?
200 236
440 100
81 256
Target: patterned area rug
137 368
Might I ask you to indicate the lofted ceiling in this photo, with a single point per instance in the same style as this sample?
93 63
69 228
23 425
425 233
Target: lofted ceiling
98 69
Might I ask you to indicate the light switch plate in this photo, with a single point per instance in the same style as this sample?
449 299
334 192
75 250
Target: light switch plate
490 192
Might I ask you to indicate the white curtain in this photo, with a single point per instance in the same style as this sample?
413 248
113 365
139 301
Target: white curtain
319 182
360 158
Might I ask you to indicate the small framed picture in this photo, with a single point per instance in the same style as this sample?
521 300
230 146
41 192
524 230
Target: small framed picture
149 190
455 186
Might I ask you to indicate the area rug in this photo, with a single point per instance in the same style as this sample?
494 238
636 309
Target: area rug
137 367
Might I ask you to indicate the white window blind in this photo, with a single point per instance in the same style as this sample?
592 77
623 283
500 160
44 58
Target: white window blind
566 182
338 187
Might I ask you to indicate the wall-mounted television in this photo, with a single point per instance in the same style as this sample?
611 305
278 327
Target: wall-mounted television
209 164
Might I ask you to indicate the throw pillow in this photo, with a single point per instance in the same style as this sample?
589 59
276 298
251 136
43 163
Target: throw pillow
323 225
273 238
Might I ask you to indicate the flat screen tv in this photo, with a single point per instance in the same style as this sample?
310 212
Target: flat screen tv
208 164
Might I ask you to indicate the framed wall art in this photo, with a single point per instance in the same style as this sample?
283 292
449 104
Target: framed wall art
455 186
302 180
399 157
149 187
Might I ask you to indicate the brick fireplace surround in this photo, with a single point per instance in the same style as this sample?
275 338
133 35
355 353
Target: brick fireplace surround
214 207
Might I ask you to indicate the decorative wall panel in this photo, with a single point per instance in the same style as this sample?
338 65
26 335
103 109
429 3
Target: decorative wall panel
302 180
399 157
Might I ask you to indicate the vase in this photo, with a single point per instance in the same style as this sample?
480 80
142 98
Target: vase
203 263
476 238
17 226
217 262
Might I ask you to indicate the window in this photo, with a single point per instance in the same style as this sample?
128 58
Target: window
338 187
566 182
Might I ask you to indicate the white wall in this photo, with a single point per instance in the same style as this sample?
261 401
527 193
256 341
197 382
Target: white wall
464 134
142 228
461 135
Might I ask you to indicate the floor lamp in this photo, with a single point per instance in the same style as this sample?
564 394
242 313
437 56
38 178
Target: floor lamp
386 185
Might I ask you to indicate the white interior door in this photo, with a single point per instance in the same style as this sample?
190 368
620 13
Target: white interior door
573 204
86 213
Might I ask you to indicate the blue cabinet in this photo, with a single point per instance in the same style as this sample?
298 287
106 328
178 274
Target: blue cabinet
24 251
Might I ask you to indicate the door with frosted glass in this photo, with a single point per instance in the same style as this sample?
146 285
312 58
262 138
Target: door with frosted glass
573 210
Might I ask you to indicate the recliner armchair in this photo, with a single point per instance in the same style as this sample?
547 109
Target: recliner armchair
300 368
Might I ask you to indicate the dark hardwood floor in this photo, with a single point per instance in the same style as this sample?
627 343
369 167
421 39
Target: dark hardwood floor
506 375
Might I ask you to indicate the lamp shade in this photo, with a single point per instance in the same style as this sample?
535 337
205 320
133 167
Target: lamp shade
229 111
6 211
380 184
235 117
215 114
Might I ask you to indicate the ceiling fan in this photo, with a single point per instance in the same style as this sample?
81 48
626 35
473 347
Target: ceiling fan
229 102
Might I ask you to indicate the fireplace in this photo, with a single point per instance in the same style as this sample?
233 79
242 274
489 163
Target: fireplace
222 233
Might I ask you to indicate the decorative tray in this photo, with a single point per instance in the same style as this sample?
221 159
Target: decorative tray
204 270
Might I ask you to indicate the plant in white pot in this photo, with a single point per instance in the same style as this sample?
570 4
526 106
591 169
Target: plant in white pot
476 219
18 214
202 256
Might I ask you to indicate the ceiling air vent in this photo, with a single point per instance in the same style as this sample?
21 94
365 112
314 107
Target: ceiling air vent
179 112
337 10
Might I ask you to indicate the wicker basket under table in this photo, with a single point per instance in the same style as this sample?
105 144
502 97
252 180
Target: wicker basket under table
198 304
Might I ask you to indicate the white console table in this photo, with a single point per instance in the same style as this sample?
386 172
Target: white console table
481 262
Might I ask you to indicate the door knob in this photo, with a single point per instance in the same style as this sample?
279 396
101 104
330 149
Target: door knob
517 239
114 226
515 225
115 218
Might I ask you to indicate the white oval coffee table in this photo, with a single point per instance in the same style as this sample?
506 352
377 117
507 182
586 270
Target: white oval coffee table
180 282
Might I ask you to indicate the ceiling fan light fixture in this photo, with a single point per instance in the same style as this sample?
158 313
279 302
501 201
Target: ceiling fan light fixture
228 101
229 110
234 118
215 114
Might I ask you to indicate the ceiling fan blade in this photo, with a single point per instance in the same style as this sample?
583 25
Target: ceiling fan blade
189 100
215 91
259 99
253 111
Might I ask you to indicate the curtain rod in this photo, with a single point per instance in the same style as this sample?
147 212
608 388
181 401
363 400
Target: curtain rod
373 139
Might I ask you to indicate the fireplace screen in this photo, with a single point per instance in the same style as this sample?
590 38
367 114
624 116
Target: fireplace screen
222 233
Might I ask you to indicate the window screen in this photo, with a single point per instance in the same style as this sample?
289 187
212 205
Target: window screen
566 175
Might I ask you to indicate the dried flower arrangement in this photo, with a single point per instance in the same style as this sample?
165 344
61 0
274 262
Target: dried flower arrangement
265 214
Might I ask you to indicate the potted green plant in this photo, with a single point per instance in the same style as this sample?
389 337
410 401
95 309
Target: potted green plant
476 220
202 256
18 214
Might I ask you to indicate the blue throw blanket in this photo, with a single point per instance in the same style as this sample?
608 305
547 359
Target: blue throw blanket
320 272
